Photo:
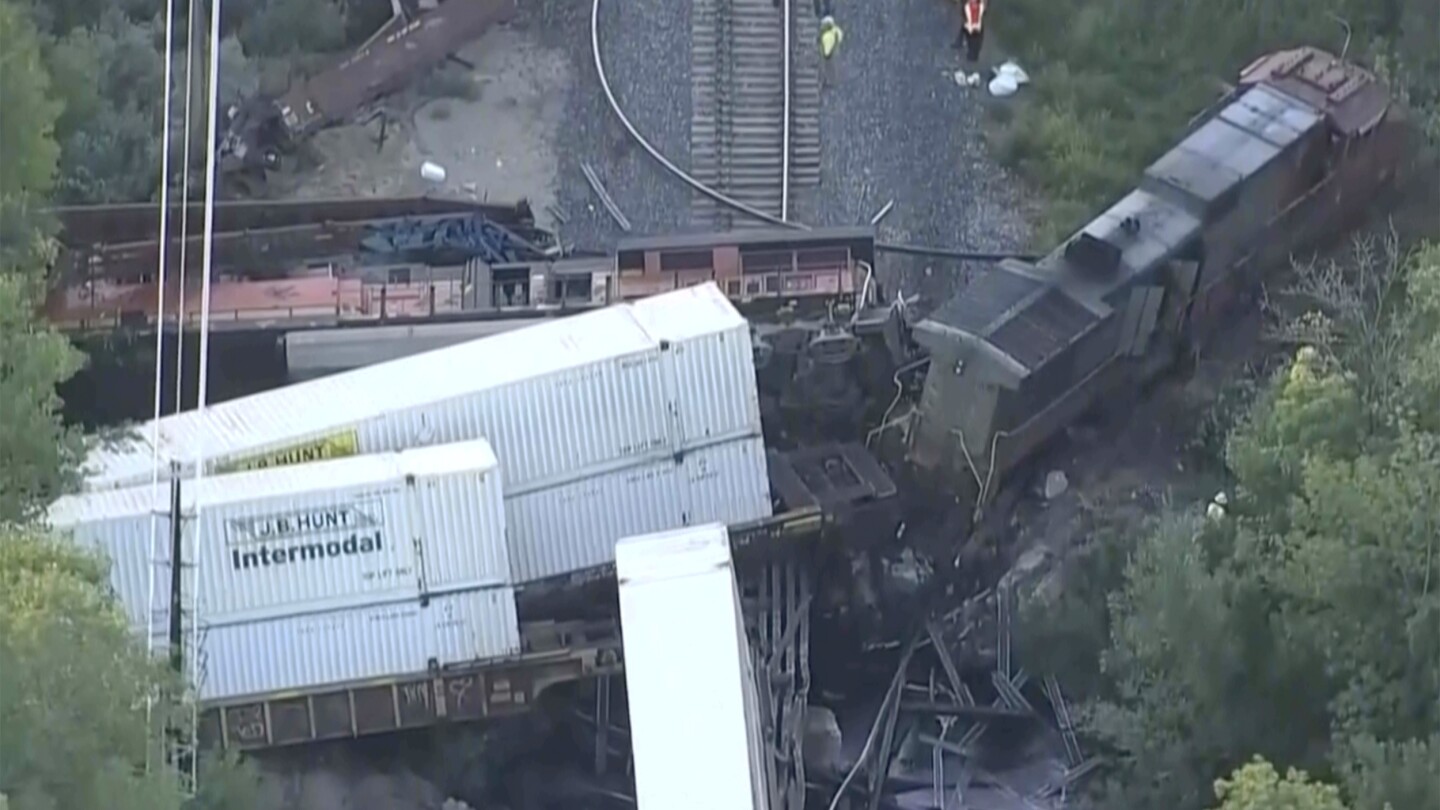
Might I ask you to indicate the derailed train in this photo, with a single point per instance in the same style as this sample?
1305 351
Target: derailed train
1302 146
1295 153
1298 151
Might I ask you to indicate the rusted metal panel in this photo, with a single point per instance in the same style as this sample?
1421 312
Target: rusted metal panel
1353 100
414 700
387 64
86 225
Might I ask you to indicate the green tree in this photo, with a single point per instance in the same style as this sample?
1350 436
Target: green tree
110 76
1257 786
73 690
36 450
27 172
1114 80
73 686
287 27
1305 626
1391 776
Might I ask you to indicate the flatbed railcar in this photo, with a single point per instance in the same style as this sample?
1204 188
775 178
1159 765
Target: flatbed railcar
817 490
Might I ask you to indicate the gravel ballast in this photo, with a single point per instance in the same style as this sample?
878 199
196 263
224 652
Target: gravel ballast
646 49
894 125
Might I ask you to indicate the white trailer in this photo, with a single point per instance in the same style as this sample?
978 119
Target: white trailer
562 401
575 526
341 647
316 537
695 729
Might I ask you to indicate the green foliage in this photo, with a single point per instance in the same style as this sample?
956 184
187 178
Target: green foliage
1257 786
73 687
1310 405
1192 684
1305 626
27 123
37 452
74 684
1114 80
287 27
110 77
1392 776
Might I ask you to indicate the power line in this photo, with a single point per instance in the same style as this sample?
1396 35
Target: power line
161 273
185 206
202 399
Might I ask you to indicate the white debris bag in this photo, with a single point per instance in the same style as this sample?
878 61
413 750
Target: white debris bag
432 172
1003 85
1008 78
1015 72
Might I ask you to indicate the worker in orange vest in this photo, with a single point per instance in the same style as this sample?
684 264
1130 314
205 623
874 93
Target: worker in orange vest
972 28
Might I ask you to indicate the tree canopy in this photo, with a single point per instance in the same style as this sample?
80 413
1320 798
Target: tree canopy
1304 626
1258 786
74 679
1114 80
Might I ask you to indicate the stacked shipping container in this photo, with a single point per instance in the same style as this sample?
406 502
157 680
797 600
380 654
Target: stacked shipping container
561 401
312 573
634 419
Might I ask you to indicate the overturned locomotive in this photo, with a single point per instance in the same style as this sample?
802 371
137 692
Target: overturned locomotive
1296 153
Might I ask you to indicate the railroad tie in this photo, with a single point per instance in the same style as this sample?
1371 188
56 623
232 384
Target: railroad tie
738 87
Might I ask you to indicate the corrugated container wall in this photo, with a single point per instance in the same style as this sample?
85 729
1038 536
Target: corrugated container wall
356 644
575 526
717 365
680 585
307 538
558 401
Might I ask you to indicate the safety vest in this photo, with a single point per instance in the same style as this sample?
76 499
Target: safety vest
974 16
830 37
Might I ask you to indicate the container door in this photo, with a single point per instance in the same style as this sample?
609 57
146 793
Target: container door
671 356
413 522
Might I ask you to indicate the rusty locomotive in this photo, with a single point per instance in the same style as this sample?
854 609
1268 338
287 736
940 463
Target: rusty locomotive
1298 151
1294 154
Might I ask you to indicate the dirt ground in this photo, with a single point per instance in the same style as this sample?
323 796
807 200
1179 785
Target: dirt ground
495 145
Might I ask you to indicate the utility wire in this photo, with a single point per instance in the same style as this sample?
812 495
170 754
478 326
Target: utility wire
185 205
161 272
212 101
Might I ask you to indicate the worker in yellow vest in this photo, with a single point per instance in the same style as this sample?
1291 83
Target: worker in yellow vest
830 39
972 28
830 36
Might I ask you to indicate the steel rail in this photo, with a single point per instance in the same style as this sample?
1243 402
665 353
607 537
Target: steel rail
650 149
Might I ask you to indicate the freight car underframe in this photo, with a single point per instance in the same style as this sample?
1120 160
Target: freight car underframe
822 487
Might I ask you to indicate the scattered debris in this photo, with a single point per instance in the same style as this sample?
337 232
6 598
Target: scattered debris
882 213
823 742
1216 510
599 188
1008 79
967 79
1056 483
432 172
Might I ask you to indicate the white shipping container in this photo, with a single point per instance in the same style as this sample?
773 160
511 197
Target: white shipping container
306 538
558 401
356 644
681 585
717 366
575 526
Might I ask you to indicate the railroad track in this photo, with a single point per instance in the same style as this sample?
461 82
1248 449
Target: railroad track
755 125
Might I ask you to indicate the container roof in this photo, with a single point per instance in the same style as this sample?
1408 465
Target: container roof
314 408
294 480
